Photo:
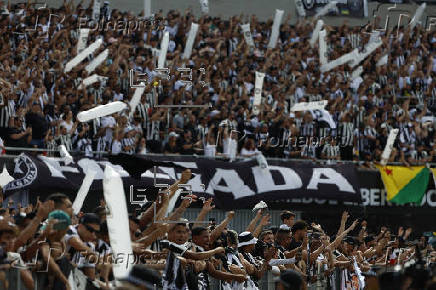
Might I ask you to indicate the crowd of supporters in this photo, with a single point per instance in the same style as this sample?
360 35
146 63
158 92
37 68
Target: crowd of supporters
40 101
173 253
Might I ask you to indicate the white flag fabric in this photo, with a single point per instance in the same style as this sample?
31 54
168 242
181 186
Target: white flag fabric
96 10
340 61
356 73
275 28
306 106
83 191
326 9
117 222
83 39
82 55
315 34
90 80
322 47
383 60
369 48
300 8
190 41
324 116
388 148
67 158
204 6
97 61
258 84
147 8
136 98
417 17
163 50
5 177
247 34
101 111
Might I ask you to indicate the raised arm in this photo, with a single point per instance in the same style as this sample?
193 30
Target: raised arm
219 229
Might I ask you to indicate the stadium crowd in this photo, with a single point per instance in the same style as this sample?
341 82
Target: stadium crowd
40 101
191 254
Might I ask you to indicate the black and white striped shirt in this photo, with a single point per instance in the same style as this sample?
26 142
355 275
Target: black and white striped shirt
330 151
65 140
128 142
346 133
307 129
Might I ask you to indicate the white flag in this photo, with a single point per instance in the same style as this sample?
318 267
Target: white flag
83 191
275 28
190 41
339 61
326 9
163 50
369 48
101 111
204 5
300 8
417 17
82 55
83 39
389 145
383 60
136 98
258 92
247 34
306 106
322 47
356 73
315 34
117 222
5 177
97 61
90 80
96 10
324 116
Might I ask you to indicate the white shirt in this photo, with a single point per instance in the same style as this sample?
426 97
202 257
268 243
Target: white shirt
116 147
209 150
108 122
230 147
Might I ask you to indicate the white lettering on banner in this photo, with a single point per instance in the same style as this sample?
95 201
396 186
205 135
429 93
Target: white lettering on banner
375 196
364 193
191 165
333 177
430 202
265 182
196 184
234 184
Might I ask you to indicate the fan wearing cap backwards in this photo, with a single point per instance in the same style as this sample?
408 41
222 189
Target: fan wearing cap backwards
79 240
254 268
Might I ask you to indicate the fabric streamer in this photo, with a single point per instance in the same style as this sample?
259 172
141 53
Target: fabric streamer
82 55
83 39
204 5
323 116
163 50
275 28
383 60
315 34
90 80
97 61
247 34
326 9
83 191
258 92
388 148
322 47
369 48
339 61
357 72
300 8
96 10
65 155
117 222
305 106
5 178
274 262
190 41
147 8
101 111
417 17
136 98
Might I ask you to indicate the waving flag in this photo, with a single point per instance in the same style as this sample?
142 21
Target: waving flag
404 184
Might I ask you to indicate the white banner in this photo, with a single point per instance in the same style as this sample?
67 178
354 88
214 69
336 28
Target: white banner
83 39
275 28
315 34
383 60
204 5
136 98
322 47
417 17
357 72
340 61
96 10
117 222
101 111
163 50
388 148
190 41
300 8
305 106
83 191
90 80
369 48
97 61
82 55
258 92
247 34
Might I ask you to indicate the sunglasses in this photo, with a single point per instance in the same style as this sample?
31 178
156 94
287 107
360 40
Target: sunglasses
90 229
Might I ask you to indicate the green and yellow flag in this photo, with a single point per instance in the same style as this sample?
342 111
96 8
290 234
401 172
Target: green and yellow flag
405 184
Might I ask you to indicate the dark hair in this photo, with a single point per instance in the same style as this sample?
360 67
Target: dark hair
286 215
299 225
198 231
58 199
90 218
264 233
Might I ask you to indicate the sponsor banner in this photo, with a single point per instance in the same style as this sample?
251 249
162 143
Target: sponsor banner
353 8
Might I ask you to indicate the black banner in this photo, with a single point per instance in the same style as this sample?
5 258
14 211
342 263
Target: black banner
233 184
354 8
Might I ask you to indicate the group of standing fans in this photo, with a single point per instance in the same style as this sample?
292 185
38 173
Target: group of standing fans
170 252
40 101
